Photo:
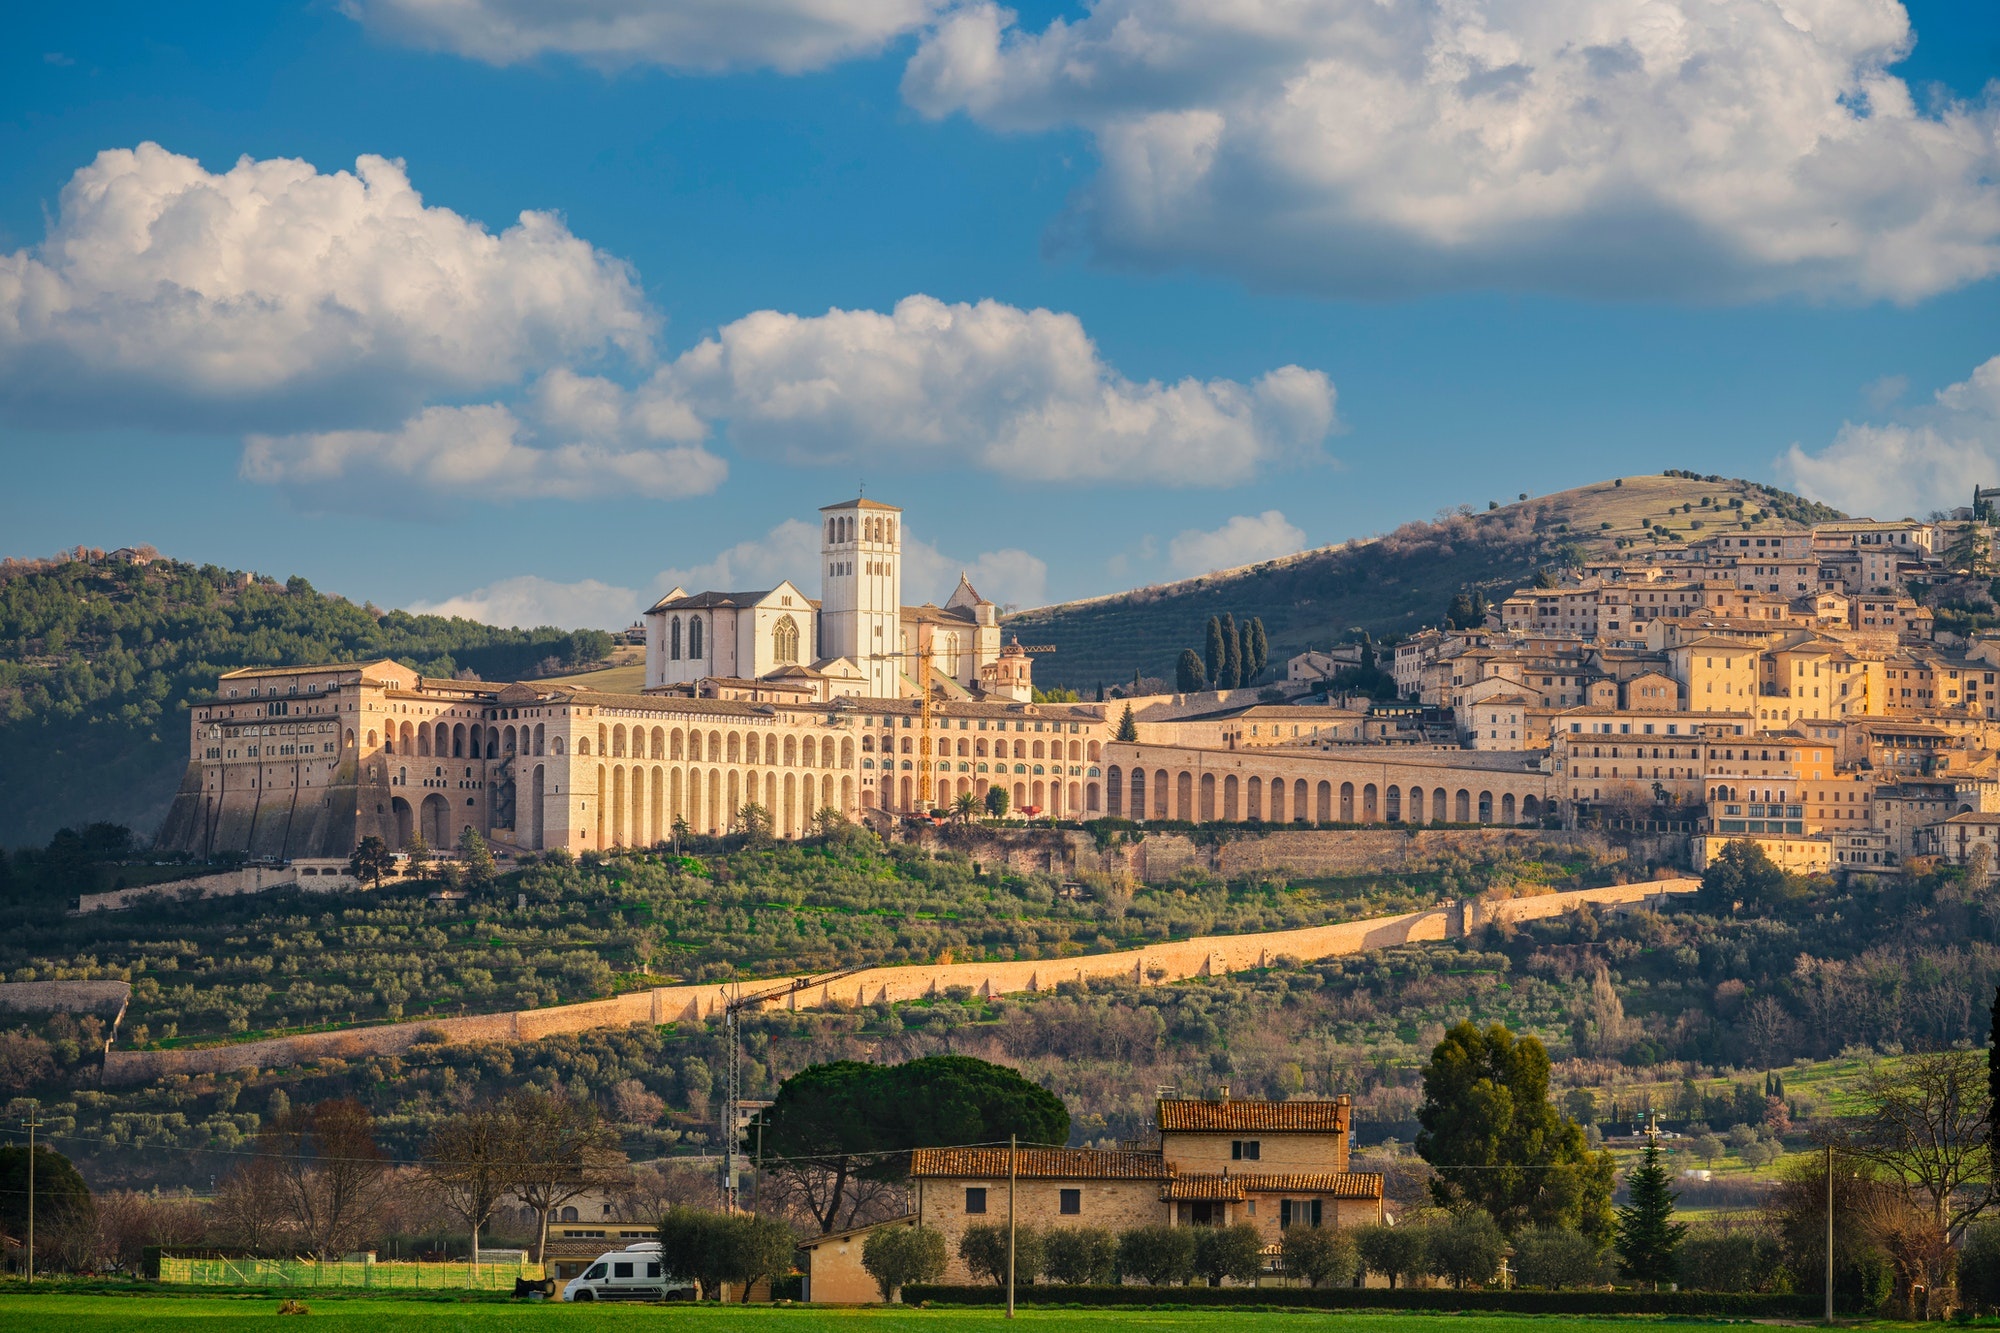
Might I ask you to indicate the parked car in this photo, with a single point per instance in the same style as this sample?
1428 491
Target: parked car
634 1273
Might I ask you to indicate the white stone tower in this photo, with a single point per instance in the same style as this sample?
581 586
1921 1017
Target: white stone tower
861 590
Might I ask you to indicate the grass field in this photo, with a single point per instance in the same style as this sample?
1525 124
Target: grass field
86 1314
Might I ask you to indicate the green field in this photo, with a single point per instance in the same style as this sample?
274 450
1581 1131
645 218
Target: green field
82 1314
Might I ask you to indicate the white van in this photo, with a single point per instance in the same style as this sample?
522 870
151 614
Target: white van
631 1274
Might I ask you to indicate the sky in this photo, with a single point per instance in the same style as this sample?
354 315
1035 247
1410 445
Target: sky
533 309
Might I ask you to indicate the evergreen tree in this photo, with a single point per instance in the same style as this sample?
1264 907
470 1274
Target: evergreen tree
1246 654
1231 674
1648 1237
1128 728
1212 655
1190 677
1460 615
1260 647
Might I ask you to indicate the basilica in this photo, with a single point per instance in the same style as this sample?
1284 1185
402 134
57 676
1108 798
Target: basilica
858 640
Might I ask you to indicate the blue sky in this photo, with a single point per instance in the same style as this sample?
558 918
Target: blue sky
1100 294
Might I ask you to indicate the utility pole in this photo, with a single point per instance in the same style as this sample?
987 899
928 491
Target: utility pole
1013 1152
1829 1231
34 1123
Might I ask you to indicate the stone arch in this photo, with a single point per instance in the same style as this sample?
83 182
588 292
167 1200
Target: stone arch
617 801
540 737
847 752
1092 752
493 742
617 750
1138 793
1229 792
1205 807
1162 794
694 638
1392 804
1114 783
406 739
441 748
371 738
1300 813
735 747
507 740
1091 797
1347 803
556 746
1253 798
770 748
1462 806
1507 808
1035 751
1184 795
676 745
437 822
405 821
1530 809
1485 807
791 752
458 740
1324 806
1020 794
1371 812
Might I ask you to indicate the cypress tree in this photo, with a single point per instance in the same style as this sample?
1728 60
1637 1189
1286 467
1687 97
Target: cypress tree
1231 674
1260 647
1246 654
1190 677
1213 656
1648 1237
1128 730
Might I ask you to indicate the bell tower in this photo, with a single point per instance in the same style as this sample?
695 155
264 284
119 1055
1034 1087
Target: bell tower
861 590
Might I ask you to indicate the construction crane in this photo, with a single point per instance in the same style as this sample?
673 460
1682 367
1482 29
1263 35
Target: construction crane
731 1025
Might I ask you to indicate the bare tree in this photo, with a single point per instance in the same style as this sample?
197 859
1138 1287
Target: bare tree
1927 1123
565 1151
471 1164
128 1222
251 1206
334 1175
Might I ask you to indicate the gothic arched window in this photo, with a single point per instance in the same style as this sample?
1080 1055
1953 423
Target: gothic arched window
785 640
694 638
674 640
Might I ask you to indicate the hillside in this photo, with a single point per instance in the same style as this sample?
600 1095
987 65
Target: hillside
1391 585
100 658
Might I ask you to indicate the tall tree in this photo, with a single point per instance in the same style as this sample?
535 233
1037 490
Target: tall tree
1128 731
249 1207
334 1175
471 1163
1928 1119
1190 676
1648 1236
1212 653
565 1152
1260 647
1498 1143
836 1130
61 1197
1231 675
372 859
480 869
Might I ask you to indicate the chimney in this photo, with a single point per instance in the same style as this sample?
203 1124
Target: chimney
1225 1092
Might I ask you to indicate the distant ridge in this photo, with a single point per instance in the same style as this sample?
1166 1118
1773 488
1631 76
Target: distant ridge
1395 583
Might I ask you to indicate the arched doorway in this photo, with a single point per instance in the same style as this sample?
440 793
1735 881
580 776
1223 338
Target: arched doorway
437 823
405 820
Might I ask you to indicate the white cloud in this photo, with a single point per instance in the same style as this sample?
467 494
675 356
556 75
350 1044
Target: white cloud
583 438
788 551
788 35
1930 460
1007 577
1717 148
1243 540
162 286
1021 393
529 601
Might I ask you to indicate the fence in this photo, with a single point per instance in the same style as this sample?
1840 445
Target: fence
307 1273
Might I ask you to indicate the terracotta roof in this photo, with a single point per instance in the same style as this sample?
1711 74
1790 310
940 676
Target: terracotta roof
1188 1116
1346 1184
1039 1164
1204 1189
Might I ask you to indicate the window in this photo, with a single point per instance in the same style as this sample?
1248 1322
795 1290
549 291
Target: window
785 640
1245 1150
652 1270
694 639
1298 1212
596 1271
621 1270
1072 1201
975 1198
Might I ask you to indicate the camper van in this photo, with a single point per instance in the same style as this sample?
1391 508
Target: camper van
634 1273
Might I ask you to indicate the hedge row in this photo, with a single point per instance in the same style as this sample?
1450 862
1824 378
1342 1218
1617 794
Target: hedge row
1741 1305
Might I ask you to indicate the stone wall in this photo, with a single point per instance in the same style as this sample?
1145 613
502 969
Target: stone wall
222 884
64 997
1211 955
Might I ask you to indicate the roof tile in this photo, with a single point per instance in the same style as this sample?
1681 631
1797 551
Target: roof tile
1038 1164
1190 1116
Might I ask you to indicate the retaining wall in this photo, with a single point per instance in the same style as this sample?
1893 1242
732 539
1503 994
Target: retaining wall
1156 963
64 997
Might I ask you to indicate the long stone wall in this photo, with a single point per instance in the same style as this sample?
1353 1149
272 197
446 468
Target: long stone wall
64 997
1211 955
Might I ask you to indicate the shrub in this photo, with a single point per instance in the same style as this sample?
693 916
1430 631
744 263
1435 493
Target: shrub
1397 1253
1320 1254
1233 1252
1467 1248
1737 1260
1157 1255
1079 1255
984 1249
1979 1268
1557 1257
897 1256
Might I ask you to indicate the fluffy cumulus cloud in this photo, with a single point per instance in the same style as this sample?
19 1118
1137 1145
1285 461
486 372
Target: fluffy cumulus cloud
1931 459
788 35
531 601
1021 393
1717 148
273 289
1243 540
574 438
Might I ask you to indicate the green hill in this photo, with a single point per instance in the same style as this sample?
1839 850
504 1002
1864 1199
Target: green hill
100 658
1391 585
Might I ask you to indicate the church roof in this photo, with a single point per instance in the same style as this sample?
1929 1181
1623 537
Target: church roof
861 502
940 615
704 601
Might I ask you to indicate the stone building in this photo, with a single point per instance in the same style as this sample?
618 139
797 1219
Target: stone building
1274 1165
